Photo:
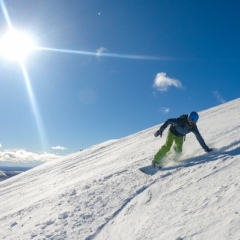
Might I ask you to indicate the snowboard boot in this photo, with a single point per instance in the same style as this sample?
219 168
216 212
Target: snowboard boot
156 165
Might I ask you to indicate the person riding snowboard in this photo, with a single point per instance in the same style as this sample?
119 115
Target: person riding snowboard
179 128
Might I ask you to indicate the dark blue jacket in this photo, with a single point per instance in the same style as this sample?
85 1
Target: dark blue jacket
180 127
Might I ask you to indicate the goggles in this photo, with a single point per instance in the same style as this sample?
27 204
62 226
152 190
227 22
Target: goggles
191 122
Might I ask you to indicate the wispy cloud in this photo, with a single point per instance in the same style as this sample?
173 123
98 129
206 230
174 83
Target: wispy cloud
20 158
100 51
165 110
162 82
59 148
218 97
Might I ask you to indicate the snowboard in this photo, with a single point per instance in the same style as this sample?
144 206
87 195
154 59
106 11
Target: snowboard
149 169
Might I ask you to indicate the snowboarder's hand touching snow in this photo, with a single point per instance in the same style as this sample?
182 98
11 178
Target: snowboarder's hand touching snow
158 133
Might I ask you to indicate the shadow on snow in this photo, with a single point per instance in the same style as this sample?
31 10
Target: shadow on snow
217 154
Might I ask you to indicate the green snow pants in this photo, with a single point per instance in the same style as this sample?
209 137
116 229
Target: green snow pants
178 143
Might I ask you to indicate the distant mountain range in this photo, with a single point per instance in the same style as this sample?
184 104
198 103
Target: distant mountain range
7 172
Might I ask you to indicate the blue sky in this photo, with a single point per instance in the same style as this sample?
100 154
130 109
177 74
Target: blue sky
105 69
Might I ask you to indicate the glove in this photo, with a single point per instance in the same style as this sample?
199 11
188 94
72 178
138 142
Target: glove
158 133
208 149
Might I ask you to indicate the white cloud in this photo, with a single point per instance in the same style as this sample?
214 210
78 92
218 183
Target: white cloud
20 157
165 110
218 96
100 51
59 148
162 82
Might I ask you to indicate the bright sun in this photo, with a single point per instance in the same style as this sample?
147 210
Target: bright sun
16 45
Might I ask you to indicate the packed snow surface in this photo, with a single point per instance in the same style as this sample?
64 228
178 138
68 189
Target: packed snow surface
99 193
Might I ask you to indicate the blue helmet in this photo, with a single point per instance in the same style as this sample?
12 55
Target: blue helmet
193 116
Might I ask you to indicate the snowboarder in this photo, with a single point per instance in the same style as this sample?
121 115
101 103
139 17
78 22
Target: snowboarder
180 126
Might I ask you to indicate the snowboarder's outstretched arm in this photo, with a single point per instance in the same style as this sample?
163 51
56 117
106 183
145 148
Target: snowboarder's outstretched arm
201 140
174 121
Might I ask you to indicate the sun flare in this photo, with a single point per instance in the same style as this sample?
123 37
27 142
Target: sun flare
16 45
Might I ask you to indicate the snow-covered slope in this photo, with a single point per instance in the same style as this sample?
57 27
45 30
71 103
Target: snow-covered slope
99 193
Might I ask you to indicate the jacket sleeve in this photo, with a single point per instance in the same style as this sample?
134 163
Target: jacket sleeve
199 138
